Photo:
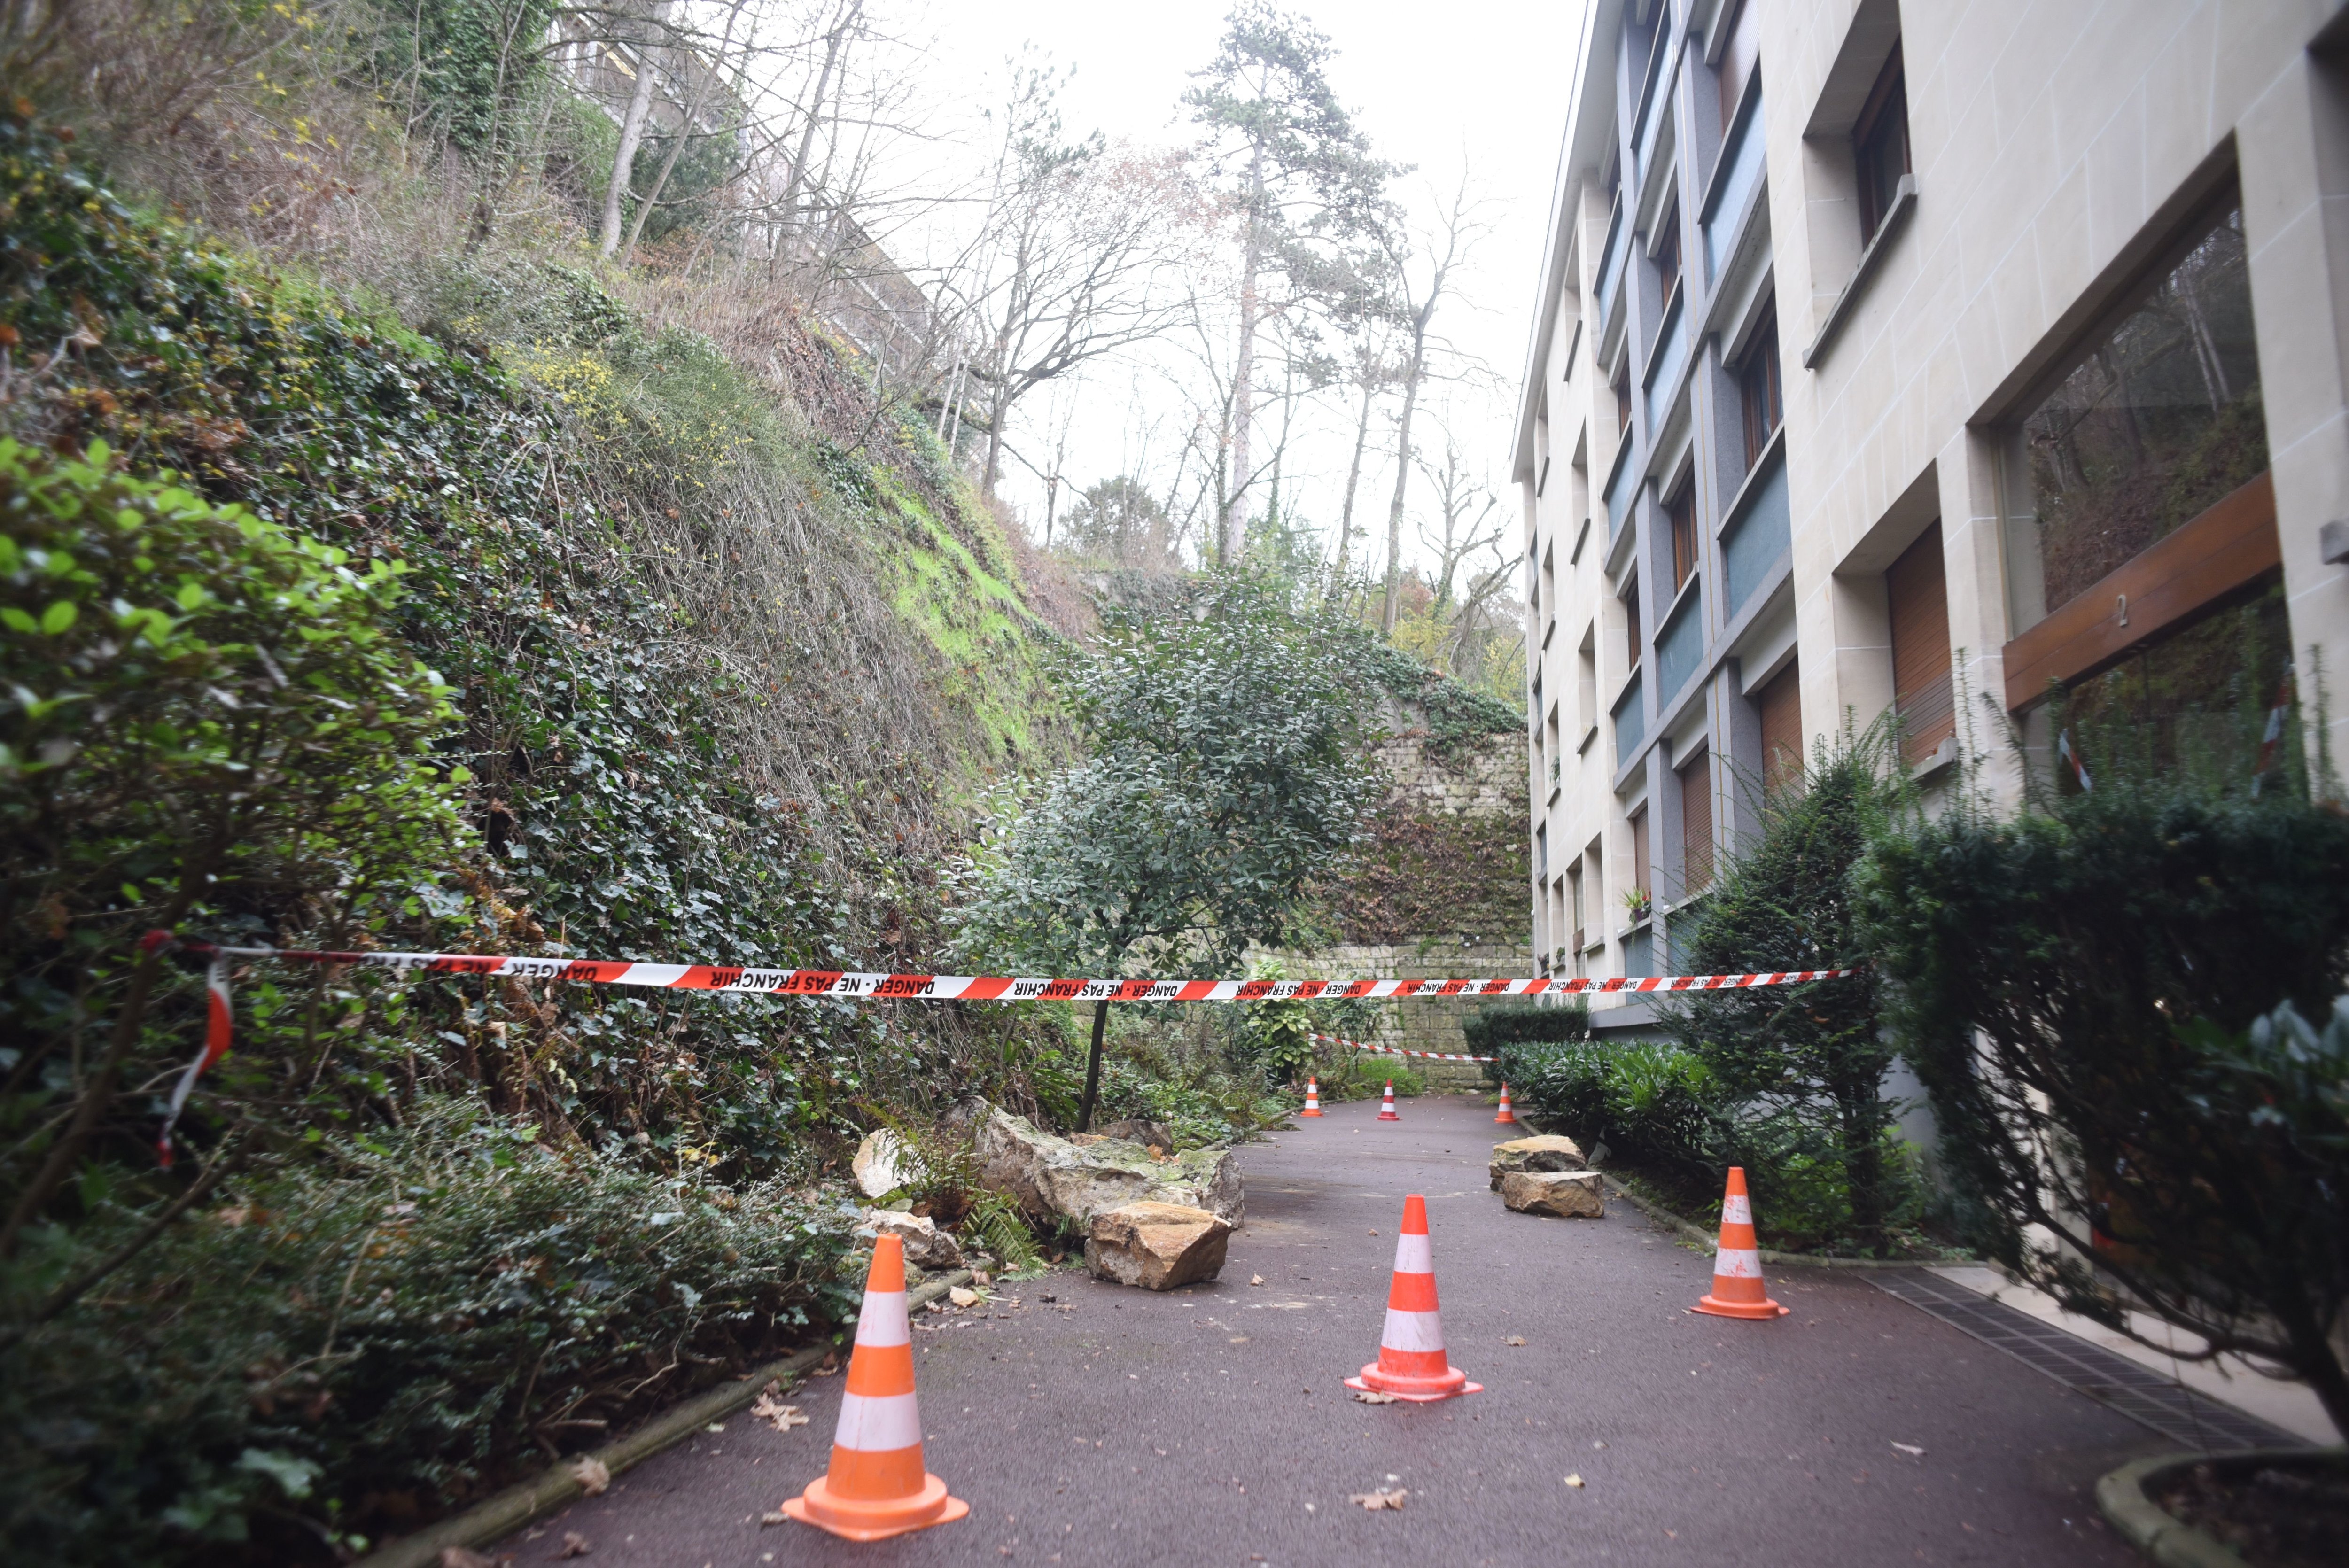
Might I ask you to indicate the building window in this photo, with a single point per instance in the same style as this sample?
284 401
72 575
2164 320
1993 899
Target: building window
1632 625
1574 899
1639 855
2157 419
1780 703
1917 601
1668 252
1880 147
1623 390
1696 825
1760 393
1682 512
1586 683
1738 55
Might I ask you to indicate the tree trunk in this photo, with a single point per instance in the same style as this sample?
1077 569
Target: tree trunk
1403 475
1093 1069
1235 517
807 139
1863 1164
632 135
685 132
1354 479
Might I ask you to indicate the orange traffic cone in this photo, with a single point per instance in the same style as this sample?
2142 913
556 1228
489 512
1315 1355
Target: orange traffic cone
876 1487
1507 1117
1387 1111
1312 1098
1411 1363
1738 1289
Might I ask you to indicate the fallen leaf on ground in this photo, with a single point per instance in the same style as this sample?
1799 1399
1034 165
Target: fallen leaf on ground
1256 1279
1367 1398
962 1297
1375 1501
781 1417
592 1475
575 1545
1910 1449
1575 1482
831 1368
1515 1339
981 1278
460 1557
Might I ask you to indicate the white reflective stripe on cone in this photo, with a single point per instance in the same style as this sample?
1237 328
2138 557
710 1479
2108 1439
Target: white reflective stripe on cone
1414 1253
1736 1211
1413 1331
883 1320
1743 1263
878 1424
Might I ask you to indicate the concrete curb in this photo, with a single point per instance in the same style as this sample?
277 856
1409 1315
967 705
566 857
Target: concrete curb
519 1504
1697 1238
2123 1496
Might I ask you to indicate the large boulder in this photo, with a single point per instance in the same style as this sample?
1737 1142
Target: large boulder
927 1247
1052 1177
1562 1194
1157 1246
883 1164
1547 1152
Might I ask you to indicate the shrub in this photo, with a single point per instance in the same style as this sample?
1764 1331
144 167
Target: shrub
1646 1102
1515 1034
438 1307
1800 1069
2090 992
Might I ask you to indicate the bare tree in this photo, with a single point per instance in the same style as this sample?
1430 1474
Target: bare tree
1414 302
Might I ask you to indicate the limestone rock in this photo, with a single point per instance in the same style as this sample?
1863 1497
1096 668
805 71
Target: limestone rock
1563 1194
883 1164
1547 1152
1149 1134
1157 1246
1050 1177
927 1247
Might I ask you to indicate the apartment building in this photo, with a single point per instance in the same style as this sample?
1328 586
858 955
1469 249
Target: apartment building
1927 357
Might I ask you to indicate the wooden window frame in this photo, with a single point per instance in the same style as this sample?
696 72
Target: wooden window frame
1679 515
1919 697
1787 686
1694 779
2224 555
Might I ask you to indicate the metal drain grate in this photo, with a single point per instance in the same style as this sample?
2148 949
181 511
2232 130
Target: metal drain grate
2186 1417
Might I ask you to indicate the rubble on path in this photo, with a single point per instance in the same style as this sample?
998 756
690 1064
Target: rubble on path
1157 1246
1052 1178
1547 1152
1562 1194
927 1247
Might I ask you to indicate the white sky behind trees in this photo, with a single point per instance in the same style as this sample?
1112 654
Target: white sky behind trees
1475 84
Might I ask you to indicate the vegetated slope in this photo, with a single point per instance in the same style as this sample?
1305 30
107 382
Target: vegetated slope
729 662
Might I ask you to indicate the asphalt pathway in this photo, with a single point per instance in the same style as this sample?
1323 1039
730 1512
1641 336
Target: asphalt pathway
1087 1423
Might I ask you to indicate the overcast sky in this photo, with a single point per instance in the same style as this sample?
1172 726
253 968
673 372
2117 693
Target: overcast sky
1479 81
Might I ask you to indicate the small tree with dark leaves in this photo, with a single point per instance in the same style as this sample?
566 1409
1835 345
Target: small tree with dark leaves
1227 773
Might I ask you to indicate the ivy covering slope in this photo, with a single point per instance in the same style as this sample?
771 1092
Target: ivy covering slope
705 672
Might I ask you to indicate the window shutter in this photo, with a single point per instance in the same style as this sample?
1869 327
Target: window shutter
1696 826
1916 595
1781 702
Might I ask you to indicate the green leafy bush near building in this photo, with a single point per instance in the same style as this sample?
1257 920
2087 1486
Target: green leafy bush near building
2123 1003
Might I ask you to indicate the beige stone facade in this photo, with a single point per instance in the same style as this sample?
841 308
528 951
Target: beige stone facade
1838 299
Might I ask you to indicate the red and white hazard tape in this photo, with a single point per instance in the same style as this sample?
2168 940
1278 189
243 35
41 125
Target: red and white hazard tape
1402 1050
740 979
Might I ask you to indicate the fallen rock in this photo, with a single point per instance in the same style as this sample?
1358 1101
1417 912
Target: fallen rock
927 1247
1547 1152
1149 1134
882 1164
1052 1177
1157 1246
1564 1194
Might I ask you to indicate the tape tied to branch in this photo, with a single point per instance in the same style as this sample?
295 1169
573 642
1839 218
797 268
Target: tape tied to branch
742 979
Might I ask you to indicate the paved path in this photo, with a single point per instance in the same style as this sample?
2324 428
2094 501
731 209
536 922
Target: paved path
1208 1425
